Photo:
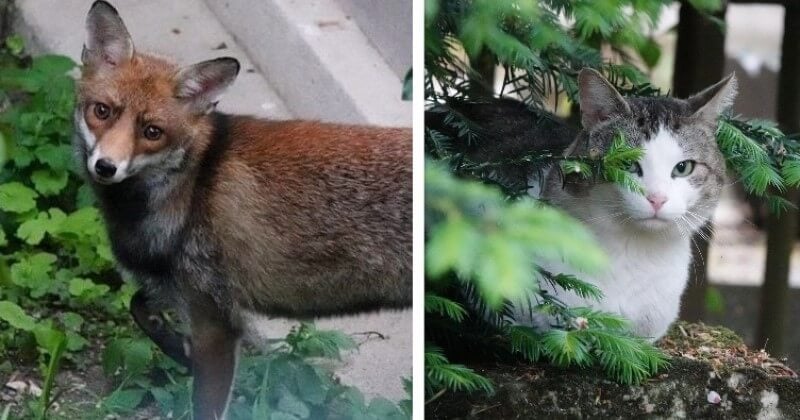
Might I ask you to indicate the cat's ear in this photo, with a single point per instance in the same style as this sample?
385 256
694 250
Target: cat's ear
201 84
108 42
712 101
599 100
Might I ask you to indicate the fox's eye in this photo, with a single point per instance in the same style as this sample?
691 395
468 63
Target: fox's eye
101 110
635 169
152 132
683 169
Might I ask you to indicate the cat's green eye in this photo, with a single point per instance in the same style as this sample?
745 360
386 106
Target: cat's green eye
635 168
683 169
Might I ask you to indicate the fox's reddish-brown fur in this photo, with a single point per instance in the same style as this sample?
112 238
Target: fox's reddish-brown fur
335 179
221 216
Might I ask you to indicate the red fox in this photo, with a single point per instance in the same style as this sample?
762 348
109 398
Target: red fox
222 215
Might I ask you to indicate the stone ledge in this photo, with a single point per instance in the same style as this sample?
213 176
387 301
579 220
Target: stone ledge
750 385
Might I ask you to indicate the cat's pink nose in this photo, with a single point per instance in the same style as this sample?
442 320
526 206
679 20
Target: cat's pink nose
656 200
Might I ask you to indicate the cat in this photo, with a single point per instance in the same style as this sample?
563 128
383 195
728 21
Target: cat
647 237
649 257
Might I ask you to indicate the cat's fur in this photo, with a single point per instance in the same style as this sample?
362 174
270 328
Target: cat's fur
649 258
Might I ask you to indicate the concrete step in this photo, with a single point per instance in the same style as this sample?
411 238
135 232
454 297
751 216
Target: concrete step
388 26
318 59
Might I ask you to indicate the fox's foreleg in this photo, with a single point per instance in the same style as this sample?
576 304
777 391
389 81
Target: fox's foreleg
156 327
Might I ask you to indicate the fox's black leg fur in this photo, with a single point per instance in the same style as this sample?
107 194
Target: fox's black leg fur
156 327
215 344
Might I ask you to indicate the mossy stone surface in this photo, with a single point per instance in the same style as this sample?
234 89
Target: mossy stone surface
750 384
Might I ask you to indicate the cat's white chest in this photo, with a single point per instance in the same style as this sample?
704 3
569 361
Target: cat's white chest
644 282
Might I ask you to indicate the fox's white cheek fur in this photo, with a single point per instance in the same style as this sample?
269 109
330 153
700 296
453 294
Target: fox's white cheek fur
86 134
648 268
95 151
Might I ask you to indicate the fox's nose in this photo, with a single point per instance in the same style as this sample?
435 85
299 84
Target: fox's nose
656 200
104 168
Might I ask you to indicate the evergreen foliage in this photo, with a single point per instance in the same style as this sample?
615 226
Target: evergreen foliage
483 242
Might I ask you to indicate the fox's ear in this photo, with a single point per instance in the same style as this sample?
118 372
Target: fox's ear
712 101
200 85
599 100
108 41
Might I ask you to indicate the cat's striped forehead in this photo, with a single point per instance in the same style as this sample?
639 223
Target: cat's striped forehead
649 115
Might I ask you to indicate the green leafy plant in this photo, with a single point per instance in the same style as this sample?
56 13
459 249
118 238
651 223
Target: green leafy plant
289 382
55 253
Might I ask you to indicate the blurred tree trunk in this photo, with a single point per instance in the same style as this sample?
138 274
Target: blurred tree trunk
699 63
781 229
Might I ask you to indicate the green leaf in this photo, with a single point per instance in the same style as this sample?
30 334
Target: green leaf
113 356
451 247
48 338
3 240
308 341
72 321
87 290
715 303
15 44
17 198
310 383
581 288
444 306
502 272
75 341
4 146
48 182
289 403
32 231
164 399
441 373
565 348
124 400
53 65
526 341
57 157
21 156
130 355
650 52
138 354
83 222
790 170
33 272
14 315
576 167
706 5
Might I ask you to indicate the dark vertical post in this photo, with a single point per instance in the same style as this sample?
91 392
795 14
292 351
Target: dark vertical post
699 63
781 229
6 16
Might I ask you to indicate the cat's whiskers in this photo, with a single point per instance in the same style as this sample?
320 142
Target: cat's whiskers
693 240
684 233
699 254
701 222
